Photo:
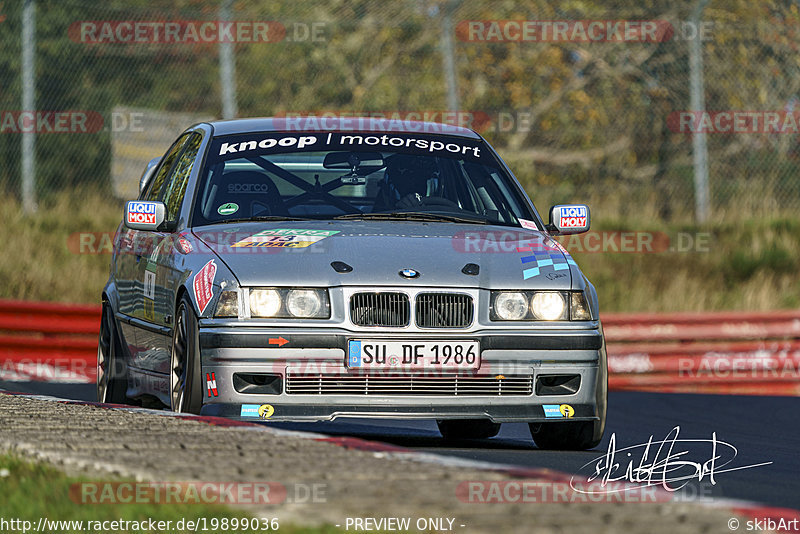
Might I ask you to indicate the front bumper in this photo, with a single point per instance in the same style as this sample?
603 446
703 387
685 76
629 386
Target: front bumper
320 353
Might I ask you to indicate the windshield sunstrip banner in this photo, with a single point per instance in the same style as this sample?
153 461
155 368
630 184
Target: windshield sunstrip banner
421 144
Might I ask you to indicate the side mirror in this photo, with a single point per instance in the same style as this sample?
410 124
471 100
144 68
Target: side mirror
144 215
569 219
147 174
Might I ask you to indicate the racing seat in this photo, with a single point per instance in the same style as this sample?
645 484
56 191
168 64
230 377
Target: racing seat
254 192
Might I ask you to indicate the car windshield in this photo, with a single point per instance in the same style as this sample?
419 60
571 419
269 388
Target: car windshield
334 175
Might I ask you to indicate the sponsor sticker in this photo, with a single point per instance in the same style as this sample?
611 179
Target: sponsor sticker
149 309
248 188
142 212
185 246
558 411
263 411
285 238
211 384
249 410
431 146
543 261
149 284
572 216
399 142
552 411
528 225
266 144
203 285
228 209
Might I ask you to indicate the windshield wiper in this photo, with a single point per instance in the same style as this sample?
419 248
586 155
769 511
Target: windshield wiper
264 218
413 216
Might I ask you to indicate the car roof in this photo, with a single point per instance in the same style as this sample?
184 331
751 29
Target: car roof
308 123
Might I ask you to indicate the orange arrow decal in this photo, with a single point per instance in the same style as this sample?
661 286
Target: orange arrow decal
278 341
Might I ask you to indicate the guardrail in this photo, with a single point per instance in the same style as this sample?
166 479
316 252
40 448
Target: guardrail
722 352
48 341
725 352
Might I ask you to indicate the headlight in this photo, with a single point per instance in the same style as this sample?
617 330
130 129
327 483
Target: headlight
539 306
510 306
228 304
264 302
303 302
548 306
290 303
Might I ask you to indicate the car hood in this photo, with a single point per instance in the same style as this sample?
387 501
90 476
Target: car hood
301 253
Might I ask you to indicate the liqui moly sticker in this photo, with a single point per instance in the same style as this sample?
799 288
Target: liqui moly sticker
141 212
203 284
572 216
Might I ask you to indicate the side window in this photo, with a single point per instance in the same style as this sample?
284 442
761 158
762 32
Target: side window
175 188
157 182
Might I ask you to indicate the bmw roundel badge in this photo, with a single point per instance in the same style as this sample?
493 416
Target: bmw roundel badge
409 273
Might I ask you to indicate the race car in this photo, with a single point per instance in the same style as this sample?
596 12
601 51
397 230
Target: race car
285 270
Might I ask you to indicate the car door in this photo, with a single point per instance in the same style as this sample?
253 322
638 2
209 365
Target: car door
169 264
151 332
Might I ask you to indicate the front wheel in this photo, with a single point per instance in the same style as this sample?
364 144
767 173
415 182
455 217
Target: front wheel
186 394
566 435
468 428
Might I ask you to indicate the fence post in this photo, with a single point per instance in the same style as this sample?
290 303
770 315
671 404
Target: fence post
29 106
698 104
448 57
227 69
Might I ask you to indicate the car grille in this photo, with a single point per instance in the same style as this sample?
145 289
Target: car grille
380 309
444 310
454 385
432 310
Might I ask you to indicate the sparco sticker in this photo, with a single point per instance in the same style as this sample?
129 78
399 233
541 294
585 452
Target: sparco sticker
203 284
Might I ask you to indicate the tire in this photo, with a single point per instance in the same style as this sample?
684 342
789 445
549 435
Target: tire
112 371
468 428
566 435
186 393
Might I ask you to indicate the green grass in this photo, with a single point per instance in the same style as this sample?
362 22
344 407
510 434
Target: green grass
37 262
748 265
34 490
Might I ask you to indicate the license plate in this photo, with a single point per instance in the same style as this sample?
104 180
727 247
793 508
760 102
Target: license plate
410 355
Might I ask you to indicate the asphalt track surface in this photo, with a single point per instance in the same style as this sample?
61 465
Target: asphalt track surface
763 429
